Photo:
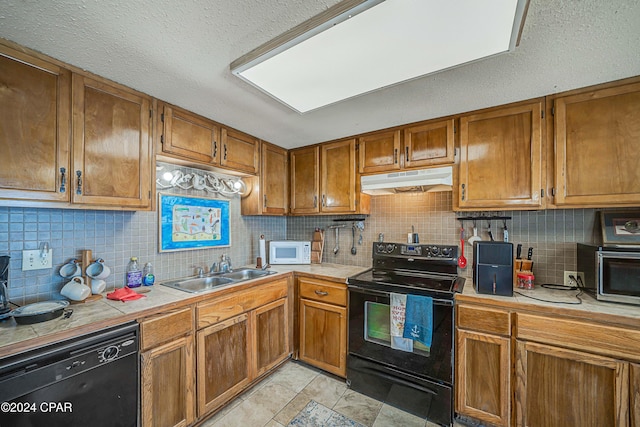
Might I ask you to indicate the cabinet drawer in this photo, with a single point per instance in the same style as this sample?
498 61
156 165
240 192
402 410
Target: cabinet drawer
319 290
483 319
593 338
164 327
210 312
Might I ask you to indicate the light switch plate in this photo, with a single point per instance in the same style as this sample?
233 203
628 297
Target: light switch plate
34 259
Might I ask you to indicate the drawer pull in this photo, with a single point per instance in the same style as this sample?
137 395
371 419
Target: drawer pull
322 293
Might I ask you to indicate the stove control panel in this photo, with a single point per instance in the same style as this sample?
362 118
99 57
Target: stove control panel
422 251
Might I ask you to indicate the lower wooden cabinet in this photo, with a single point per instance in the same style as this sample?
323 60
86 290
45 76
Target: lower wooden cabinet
559 387
271 335
323 324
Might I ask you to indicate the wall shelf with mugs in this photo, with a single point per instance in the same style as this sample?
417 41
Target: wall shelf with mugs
86 278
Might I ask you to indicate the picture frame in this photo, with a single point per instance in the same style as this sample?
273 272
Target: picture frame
620 227
187 222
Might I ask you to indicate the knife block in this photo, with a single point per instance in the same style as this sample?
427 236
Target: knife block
317 246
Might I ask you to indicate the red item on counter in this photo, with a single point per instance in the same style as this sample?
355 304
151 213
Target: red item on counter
124 294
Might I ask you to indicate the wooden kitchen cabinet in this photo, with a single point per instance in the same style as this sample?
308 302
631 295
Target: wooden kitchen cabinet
167 369
240 151
305 180
380 152
323 324
483 359
35 108
241 336
268 193
188 135
501 158
111 163
597 146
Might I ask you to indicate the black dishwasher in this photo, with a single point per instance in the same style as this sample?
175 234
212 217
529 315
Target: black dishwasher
92 380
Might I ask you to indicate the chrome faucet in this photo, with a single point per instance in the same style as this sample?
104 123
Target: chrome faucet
225 264
200 272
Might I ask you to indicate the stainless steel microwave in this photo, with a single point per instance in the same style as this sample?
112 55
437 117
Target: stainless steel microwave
613 273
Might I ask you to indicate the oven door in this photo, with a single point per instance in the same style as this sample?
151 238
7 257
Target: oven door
619 276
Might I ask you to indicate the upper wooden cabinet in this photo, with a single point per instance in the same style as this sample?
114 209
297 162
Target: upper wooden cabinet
305 180
420 145
501 158
189 135
268 193
111 145
239 151
35 134
323 180
597 147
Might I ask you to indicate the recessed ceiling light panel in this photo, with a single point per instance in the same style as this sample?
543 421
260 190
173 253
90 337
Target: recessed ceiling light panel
379 44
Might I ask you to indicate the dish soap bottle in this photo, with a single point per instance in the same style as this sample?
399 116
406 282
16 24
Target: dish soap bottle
147 275
134 274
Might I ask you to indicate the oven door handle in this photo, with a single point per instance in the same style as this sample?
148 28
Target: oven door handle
369 291
395 379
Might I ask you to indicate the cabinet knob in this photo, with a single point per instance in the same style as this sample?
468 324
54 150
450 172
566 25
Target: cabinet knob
63 180
215 149
265 201
322 293
79 187
463 190
323 204
395 155
406 154
315 201
225 151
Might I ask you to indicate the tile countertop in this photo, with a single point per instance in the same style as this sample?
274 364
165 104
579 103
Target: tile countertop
97 315
561 302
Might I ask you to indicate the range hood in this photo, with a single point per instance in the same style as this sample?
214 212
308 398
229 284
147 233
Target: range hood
423 180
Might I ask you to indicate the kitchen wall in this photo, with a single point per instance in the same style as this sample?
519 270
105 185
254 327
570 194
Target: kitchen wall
552 233
115 237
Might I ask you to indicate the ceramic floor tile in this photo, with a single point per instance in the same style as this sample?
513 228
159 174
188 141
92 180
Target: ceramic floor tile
292 409
312 415
390 416
273 423
293 376
358 407
272 397
325 390
245 414
222 412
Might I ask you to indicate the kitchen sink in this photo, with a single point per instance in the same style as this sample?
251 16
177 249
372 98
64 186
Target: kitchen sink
201 284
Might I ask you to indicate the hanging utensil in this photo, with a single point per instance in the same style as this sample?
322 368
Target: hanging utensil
353 240
475 237
462 261
337 247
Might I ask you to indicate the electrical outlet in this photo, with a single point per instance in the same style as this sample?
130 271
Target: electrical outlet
570 282
37 259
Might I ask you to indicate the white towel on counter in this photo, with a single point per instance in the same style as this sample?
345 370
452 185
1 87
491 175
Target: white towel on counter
397 312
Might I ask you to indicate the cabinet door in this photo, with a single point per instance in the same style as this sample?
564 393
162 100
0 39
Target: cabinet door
239 151
379 152
168 383
275 180
305 177
188 135
34 132
429 144
483 377
558 387
112 145
272 335
634 386
224 362
338 177
323 336
597 137
501 158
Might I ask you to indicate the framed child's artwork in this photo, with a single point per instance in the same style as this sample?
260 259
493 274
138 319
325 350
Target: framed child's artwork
187 222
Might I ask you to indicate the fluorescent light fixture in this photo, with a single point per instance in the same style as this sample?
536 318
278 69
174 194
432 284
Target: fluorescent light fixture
359 46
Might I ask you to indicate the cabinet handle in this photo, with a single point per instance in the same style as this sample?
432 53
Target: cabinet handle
322 293
225 151
63 180
463 190
553 191
315 201
215 149
323 204
265 201
79 188
395 155
406 154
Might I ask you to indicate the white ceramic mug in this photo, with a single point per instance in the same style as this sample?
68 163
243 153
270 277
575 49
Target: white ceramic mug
76 290
97 270
71 269
98 286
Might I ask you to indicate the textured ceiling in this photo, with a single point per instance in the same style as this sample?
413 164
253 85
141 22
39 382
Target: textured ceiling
180 51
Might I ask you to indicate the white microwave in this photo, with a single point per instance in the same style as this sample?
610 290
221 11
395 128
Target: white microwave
289 252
